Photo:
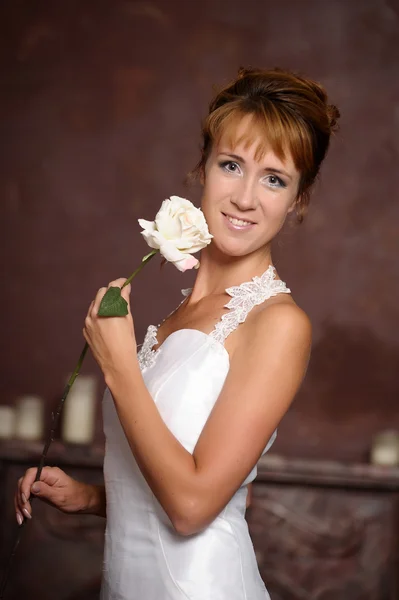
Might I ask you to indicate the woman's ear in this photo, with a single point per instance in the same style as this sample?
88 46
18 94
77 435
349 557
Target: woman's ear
294 204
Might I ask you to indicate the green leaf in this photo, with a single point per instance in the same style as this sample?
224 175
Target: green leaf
112 304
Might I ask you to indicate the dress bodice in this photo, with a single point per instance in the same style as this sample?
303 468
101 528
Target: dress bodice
184 376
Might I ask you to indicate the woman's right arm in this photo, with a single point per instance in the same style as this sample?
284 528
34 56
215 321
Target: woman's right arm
59 490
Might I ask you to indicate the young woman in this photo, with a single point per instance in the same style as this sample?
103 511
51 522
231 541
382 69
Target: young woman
188 416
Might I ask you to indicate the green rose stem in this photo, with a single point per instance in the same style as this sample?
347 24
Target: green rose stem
112 305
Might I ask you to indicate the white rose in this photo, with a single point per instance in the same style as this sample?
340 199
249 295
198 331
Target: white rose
179 230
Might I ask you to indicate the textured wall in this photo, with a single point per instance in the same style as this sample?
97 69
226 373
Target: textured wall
100 107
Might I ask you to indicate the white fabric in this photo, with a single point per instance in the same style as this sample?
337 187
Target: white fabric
145 559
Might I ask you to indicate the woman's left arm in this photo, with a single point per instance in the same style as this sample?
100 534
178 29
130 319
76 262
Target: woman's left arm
265 373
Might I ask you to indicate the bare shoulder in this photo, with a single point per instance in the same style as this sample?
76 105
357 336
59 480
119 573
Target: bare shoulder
278 325
283 315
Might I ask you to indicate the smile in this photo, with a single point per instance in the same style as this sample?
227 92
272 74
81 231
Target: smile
238 224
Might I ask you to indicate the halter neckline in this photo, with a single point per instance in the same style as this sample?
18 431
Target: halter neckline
243 298
257 283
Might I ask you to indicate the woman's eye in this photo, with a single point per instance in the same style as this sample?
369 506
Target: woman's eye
230 166
275 181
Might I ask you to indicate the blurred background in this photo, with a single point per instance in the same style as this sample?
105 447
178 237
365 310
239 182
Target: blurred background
101 105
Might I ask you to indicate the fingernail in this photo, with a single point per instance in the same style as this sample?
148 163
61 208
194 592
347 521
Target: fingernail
23 498
26 513
19 519
35 488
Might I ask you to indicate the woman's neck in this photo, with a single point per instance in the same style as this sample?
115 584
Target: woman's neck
218 272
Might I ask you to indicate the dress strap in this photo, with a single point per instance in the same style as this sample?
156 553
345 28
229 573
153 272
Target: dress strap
243 298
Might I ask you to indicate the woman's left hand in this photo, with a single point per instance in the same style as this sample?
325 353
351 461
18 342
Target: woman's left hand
111 339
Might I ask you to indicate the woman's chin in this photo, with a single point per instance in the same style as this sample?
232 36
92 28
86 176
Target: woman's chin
232 248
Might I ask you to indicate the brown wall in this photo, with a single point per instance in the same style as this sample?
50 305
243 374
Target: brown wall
100 109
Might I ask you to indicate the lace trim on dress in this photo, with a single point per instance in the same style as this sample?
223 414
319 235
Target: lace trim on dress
146 355
243 298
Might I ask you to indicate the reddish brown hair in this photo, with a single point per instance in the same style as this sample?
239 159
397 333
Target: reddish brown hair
292 111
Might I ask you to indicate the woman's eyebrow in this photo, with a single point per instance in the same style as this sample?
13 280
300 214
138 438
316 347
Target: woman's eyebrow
267 169
279 171
235 156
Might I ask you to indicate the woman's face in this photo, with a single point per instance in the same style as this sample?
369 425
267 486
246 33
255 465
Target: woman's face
246 201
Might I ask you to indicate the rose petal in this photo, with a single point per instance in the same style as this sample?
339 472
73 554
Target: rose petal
186 204
147 225
149 238
170 252
187 263
167 225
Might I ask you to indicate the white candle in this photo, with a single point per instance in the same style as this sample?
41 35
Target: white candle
7 422
385 449
29 418
79 411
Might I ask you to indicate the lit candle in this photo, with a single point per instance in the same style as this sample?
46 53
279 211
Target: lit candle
29 418
79 412
7 422
385 449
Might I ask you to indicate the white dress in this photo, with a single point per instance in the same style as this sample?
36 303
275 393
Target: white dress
145 559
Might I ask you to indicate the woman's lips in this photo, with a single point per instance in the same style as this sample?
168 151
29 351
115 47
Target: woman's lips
235 226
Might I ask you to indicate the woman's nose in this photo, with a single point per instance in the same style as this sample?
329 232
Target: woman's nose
245 197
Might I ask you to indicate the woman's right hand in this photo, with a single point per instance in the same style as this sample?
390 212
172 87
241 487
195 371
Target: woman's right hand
56 488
